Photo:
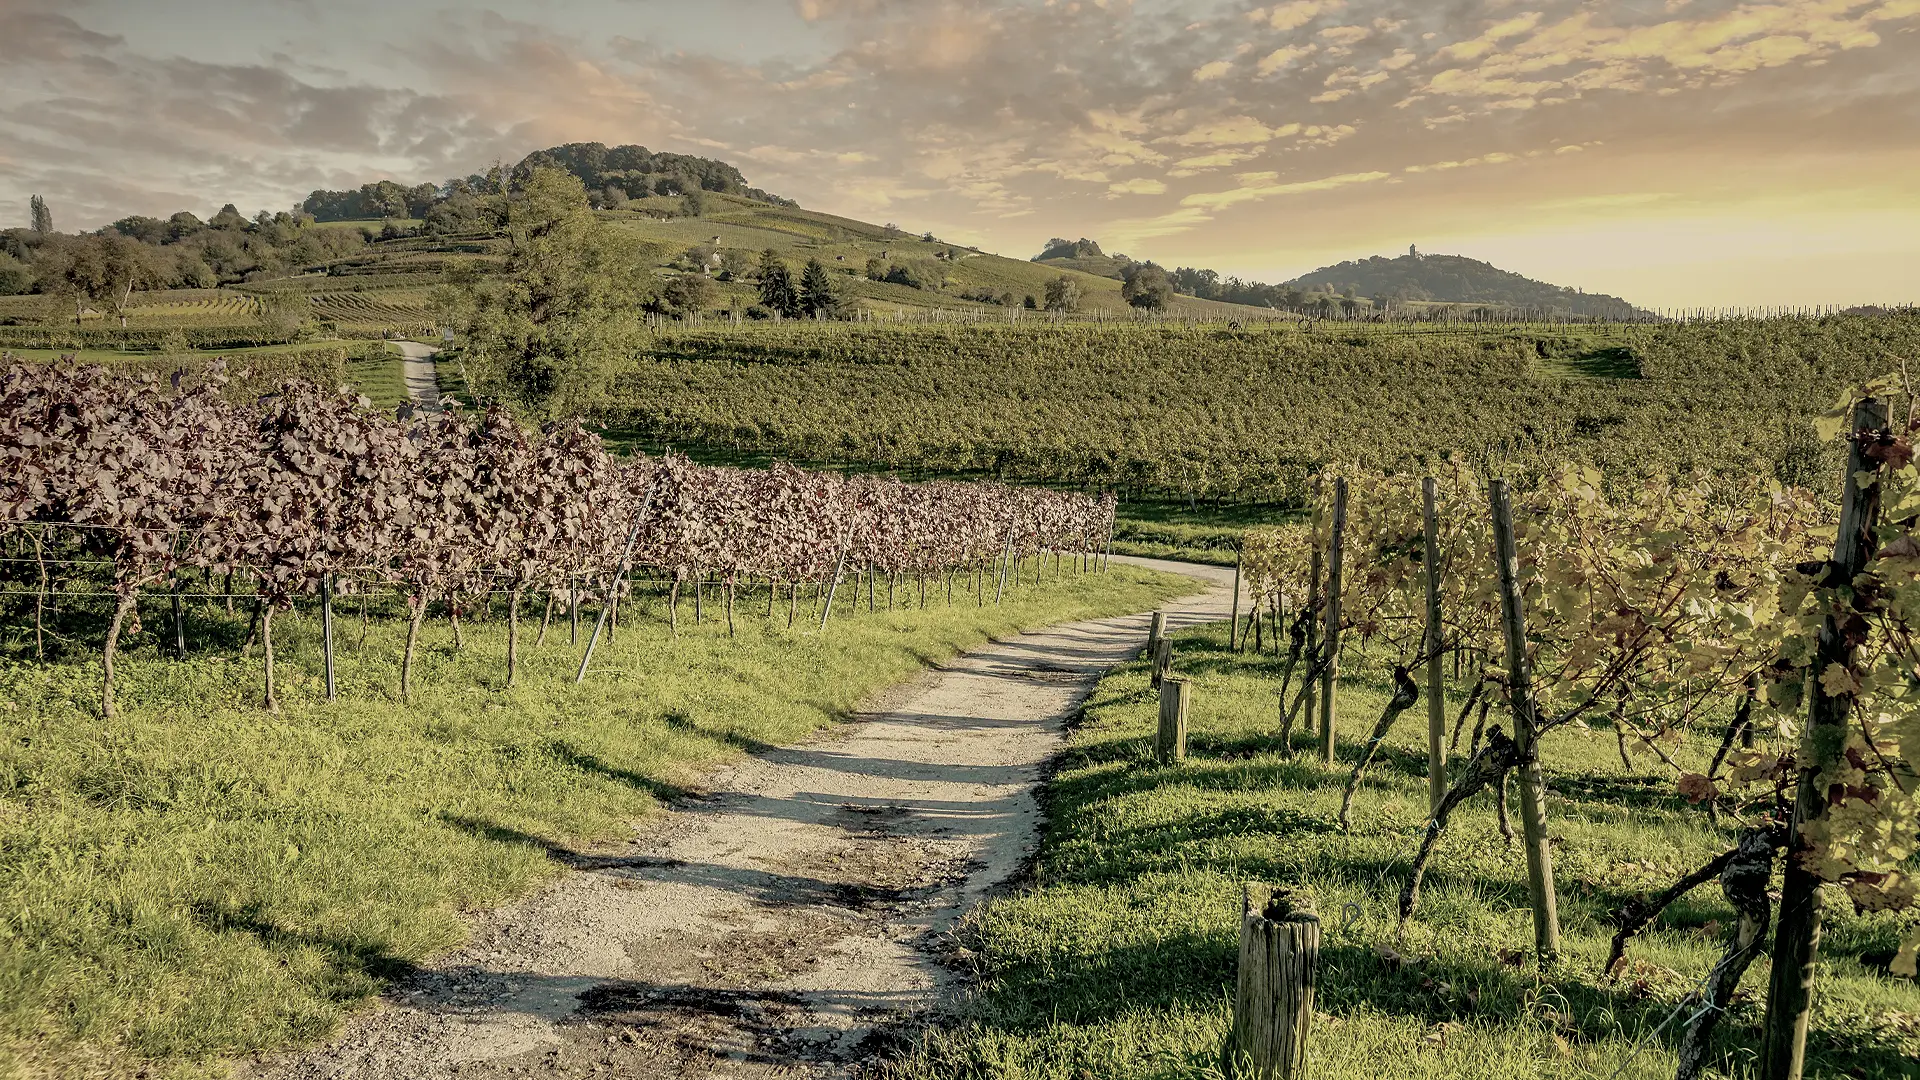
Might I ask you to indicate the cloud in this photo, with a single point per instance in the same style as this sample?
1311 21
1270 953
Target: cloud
965 115
1284 57
1292 16
1232 131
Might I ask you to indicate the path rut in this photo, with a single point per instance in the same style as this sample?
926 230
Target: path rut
785 922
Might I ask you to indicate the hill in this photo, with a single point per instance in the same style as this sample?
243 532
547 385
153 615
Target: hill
209 282
1456 279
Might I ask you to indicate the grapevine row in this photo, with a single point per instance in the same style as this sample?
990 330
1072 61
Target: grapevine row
1651 608
308 487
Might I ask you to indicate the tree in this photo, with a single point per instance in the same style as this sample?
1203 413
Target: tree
776 285
1063 294
817 297
548 333
1147 287
103 270
694 203
284 313
229 217
42 217
16 277
687 294
735 264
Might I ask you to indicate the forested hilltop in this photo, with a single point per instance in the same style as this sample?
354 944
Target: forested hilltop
613 177
1456 279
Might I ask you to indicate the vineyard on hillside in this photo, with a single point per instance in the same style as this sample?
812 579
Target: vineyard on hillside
120 487
1219 412
1669 613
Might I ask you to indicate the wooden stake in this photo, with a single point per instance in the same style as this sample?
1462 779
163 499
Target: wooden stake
1233 618
1162 661
1170 743
1533 786
326 635
1330 673
1156 629
1796 946
1436 678
633 537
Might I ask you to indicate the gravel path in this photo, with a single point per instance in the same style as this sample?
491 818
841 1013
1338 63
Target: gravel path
416 363
781 925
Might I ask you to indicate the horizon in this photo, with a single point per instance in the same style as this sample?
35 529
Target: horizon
1689 153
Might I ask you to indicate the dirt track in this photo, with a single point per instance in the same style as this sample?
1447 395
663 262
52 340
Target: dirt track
781 925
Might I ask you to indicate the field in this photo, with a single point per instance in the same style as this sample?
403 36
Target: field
1211 414
1116 958
182 891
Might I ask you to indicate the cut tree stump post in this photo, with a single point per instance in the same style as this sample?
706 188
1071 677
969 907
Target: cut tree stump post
1162 660
1170 744
1330 674
1156 629
1273 991
1796 948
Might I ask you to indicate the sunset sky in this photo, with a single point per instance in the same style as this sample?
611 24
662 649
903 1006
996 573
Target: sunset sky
1675 152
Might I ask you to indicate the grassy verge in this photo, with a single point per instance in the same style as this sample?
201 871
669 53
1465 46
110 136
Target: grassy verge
195 878
380 378
1118 960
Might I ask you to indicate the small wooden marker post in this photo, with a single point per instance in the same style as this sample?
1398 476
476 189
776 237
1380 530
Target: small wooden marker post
1176 692
1273 994
1162 661
1156 630
1233 620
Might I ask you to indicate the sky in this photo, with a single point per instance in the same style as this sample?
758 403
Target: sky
1674 152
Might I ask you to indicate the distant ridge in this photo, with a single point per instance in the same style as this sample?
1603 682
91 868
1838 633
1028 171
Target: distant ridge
1456 279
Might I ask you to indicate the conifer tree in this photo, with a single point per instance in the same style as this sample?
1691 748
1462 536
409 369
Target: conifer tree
776 285
816 290
42 217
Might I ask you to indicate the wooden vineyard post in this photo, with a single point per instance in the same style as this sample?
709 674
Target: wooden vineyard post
1170 743
1156 629
1273 989
1162 660
1330 673
1436 678
839 565
1233 619
1796 948
1312 651
179 622
1000 584
326 633
1533 787
613 585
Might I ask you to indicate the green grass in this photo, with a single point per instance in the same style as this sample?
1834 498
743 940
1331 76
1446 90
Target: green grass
382 380
1117 958
196 879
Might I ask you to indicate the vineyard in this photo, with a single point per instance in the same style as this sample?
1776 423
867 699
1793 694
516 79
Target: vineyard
312 493
1211 412
1667 613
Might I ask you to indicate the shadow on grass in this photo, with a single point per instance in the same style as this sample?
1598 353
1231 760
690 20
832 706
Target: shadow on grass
346 955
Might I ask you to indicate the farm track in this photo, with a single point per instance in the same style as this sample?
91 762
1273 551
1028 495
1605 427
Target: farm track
789 922
416 365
